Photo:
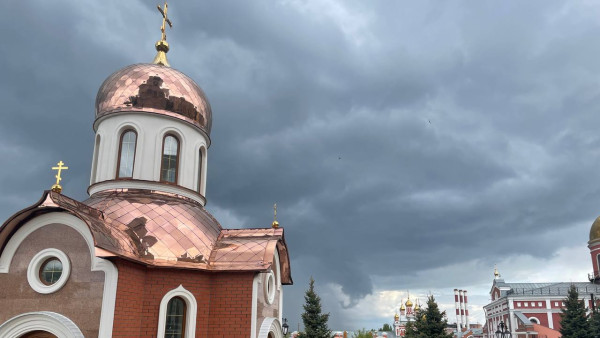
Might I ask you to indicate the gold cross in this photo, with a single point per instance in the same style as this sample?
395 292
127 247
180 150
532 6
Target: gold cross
165 20
56 187
275 224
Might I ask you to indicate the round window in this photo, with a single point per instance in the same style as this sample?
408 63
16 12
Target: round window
269 287
51 271
48 271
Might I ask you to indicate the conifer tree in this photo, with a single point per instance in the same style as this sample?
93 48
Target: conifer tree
595 323
574 322
429 322
315 323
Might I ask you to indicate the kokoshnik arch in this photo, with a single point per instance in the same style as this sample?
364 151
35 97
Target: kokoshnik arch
141 256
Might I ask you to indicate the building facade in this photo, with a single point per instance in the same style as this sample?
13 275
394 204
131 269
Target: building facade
529 309
141 257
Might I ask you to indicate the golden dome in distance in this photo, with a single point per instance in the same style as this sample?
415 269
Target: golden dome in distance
396 317
595 230
402 308
409 303
417 307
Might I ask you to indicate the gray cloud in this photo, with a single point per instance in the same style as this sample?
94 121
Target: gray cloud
394 137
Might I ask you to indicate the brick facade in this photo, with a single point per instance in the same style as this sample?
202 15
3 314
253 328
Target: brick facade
224 300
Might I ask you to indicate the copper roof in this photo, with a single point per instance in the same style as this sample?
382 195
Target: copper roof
154 89
163 230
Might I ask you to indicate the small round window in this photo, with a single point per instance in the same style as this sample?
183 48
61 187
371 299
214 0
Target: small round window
48 271
51 271
269 287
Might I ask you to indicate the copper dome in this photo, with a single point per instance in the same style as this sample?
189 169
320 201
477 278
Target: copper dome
154 89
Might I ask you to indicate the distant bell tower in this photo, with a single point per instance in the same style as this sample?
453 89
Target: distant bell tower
594 245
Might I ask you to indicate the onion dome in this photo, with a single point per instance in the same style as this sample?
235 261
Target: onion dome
396 317
595 230
154 89
402 308
409 303
417 307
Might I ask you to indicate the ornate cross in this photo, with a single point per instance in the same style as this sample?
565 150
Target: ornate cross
275 211
56 187
165 20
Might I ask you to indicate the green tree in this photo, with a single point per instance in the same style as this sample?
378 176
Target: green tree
595 323
429 322
315 323
386 328
362 334
574 322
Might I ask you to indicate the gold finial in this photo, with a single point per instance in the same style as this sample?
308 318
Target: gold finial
275 224
162 47
56 187
496 273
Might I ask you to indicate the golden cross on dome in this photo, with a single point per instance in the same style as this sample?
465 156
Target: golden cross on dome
275 224
162 47
56 187
165 20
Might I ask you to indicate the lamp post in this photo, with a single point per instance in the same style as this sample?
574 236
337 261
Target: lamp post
285 327
502 331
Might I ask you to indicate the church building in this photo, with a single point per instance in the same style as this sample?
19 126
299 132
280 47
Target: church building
141 257
533 309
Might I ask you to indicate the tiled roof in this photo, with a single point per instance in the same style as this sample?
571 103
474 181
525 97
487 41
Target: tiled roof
164 230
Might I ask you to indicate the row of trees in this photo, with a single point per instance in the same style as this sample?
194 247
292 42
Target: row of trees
429 322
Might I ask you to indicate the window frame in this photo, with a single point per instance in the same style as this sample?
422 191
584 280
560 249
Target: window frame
201 156
125 131
162 153
184 318
191 310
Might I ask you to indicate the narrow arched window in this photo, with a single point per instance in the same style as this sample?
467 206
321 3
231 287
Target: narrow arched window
170 159
175 323
200 159
126 154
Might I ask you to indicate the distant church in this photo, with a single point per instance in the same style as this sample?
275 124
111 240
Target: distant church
141 257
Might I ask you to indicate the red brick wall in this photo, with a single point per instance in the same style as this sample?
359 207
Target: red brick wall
541 316
224 300
556 319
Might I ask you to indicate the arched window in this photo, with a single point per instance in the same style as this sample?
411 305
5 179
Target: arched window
93 179
126 154
177 319
170 159
175 323
200 159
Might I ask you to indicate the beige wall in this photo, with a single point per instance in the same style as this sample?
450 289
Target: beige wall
80 299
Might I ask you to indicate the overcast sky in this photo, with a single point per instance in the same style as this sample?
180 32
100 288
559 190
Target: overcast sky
409 145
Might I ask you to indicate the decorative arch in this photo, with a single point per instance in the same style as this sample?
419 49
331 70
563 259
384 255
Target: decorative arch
51 322
201 169
111 274
270 327
190 315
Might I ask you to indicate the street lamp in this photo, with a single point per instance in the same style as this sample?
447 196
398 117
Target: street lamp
502 331
285 327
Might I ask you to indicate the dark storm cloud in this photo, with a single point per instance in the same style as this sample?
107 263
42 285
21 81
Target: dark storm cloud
390 135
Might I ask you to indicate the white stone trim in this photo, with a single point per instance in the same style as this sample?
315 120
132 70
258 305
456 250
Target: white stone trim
269 287
279 288
270 325
190 316
52 322
254 311
111 275
33 271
